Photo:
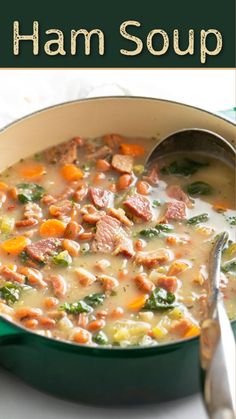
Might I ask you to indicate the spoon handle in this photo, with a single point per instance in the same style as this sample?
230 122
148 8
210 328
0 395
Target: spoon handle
217 347
220 372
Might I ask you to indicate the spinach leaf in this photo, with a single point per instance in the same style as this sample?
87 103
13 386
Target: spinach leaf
63 259
199 188
76 308
29 192
84 306
10 292
202 218
183 167
166 228
229 266
149 233
95 299
158 231
100 338
160 299
156 203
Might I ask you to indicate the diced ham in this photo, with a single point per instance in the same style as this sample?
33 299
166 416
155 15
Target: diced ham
122 163
111 238
175 211
154 257
63 153
43 248
139 206
106 231
100 153
100 197
152 176
119 214
174 191
169 283
85 277
123 245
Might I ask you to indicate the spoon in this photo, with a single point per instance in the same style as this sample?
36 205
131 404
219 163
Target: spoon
193 140
217 345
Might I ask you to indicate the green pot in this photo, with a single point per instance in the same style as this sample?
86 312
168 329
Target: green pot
99 375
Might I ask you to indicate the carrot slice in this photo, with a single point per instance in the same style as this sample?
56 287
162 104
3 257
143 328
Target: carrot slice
177 267
220 207
138 302
15 245
32 171
3 186
52 228
193 331
132 149
71 172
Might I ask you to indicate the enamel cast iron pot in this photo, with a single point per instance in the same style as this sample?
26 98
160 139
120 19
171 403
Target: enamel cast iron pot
100 375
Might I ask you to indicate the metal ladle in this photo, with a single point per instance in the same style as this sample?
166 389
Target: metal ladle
193 140
217 344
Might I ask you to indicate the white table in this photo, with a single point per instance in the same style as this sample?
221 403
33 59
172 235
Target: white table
24 91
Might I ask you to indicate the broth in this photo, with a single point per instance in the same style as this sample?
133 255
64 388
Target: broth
97 251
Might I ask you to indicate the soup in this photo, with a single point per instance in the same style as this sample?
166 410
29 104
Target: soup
97 250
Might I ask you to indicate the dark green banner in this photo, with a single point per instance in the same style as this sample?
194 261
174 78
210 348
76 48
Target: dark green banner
154 33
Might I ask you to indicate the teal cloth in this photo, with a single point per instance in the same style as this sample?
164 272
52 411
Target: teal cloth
229 114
